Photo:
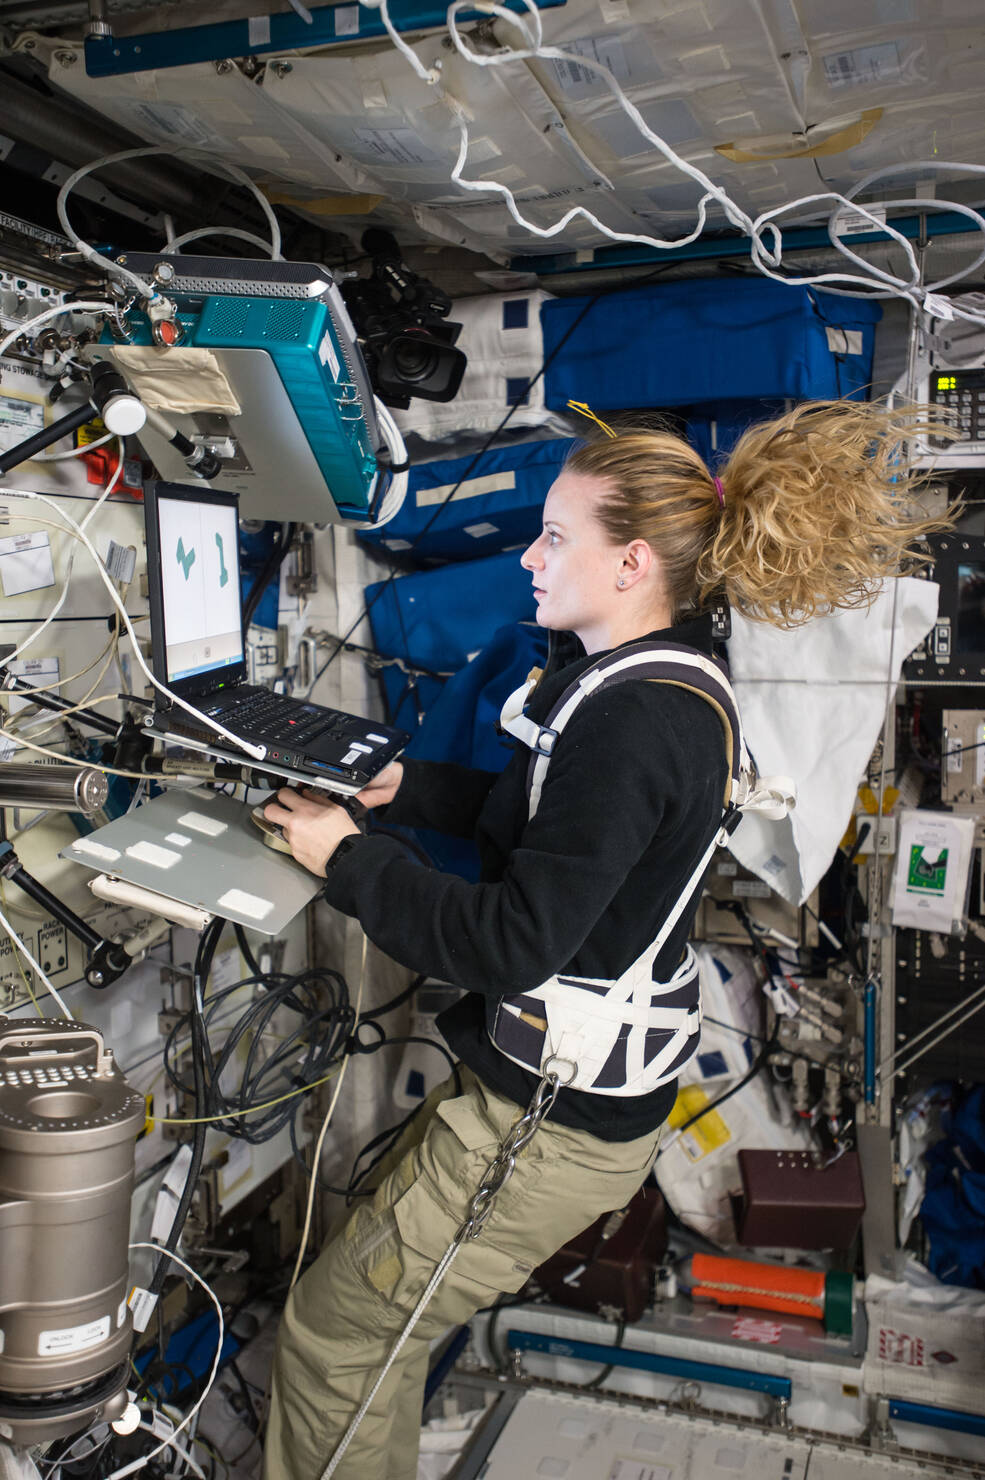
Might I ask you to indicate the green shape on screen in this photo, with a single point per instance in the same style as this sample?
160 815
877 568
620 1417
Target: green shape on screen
223 572
186 558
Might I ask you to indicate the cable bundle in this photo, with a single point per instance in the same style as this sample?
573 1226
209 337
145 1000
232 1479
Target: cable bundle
272 1064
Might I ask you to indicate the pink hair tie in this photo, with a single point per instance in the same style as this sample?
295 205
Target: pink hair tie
720 491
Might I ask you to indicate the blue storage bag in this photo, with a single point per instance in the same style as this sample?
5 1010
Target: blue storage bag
460 726
714 430
440 618
497 506
682 344
408 696
953 1208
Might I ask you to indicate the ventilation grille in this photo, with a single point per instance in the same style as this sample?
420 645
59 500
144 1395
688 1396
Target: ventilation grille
284 321
229 316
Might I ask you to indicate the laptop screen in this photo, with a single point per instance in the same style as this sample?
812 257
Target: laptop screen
193 567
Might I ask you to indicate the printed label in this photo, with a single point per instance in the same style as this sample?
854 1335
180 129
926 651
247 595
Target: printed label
121 562
864 65
705 1135
258 30
750 889
141 1303
392 146
327 355
750 1328
577 79
347 20
854 223
901 1347
73 1338
18 421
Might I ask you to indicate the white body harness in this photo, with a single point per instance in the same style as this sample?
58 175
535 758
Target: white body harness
629 1035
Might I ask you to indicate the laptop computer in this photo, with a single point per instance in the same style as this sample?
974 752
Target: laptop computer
198 650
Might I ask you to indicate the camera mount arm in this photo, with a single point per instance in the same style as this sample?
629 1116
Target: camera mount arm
108 960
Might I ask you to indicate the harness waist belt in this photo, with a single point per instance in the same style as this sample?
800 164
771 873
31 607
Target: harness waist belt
617 1041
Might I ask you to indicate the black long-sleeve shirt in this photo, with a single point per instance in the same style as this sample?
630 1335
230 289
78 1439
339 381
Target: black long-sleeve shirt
632 797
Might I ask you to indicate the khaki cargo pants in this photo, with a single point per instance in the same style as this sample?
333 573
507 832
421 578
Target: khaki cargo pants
345 1314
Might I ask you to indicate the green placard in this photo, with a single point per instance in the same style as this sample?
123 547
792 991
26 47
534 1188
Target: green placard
928 878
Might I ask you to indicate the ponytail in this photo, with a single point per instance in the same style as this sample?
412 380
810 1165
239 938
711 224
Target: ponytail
810 512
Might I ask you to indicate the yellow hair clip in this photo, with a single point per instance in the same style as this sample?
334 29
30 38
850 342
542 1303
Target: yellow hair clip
583 409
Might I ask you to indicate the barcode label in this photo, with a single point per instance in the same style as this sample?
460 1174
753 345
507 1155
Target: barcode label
121 562
864 65
853 223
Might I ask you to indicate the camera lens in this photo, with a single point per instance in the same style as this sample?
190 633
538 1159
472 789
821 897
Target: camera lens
413 358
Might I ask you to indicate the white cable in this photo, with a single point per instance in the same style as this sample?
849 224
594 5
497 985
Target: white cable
73 452
106 264
257 752
86 306
191 236
179 1449
766 241
397 492
138 1464
302 11
316 1158
5 923
33 636
429 75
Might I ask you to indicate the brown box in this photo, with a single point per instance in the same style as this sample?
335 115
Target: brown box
610 1267
790 1202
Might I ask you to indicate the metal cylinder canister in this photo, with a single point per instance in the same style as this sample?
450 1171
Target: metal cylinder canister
53 788
68 1124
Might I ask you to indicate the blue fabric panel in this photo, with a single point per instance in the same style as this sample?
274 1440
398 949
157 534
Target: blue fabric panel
682 344
440 533
725 424
953 1209
438 618
408 698
460 725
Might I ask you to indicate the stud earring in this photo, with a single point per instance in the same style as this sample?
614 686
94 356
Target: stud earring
620 582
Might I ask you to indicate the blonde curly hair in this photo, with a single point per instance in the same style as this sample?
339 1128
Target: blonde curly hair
816 508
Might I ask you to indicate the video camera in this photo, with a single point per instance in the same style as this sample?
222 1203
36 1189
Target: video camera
401 320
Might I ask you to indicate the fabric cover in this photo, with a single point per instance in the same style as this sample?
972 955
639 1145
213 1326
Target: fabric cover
497 506
460 725
812 702
682 344
502 337
441 618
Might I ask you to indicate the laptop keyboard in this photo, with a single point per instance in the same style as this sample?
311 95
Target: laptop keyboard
276 717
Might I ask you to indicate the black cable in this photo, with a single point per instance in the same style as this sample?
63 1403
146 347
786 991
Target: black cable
319 998
609 1368
429 1042
268 570
208 942
246 952
771 1046
397 1001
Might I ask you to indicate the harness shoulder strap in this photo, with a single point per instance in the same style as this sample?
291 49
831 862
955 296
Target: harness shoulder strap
669 663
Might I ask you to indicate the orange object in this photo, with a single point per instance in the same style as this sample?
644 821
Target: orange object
102 463
794 1292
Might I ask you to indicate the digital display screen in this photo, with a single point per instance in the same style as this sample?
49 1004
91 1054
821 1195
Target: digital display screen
199 545
970 635
947 382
